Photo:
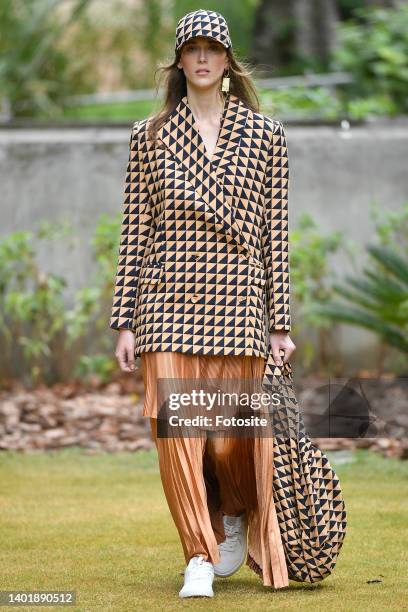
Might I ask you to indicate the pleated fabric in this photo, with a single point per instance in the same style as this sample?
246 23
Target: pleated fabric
204 478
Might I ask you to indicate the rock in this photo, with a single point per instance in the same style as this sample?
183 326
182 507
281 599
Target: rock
110 419
402 420
52 434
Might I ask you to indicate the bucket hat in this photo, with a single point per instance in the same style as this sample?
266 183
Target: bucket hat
202 23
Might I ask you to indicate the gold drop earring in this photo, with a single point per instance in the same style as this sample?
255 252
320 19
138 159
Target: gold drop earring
225 82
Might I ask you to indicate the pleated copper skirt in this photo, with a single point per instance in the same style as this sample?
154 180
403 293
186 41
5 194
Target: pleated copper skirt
204 478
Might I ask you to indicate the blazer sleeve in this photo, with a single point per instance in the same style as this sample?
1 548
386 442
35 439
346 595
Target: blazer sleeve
275 245
135 238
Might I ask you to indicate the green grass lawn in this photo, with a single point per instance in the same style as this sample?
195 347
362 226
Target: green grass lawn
99 525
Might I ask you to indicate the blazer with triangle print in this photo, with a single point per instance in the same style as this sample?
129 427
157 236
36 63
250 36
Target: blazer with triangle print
203 255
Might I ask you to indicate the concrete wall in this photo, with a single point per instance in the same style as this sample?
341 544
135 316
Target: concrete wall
78 173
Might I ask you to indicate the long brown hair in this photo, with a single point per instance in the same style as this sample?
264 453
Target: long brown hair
175 87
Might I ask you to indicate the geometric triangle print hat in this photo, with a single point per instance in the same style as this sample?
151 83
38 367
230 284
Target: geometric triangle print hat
202 23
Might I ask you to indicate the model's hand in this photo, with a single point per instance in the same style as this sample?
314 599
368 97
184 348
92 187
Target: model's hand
125 350
281 340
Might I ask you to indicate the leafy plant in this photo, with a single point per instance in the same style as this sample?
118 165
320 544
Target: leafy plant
302 102
310 251
40 335
90 366
31 313
378 300
35 73
391 226
373 46
375 298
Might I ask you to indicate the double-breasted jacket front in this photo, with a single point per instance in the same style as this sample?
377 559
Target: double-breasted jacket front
203 254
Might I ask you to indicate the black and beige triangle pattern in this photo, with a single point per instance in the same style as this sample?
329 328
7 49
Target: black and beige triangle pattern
307 493
203 257
310 508
202 23
275 246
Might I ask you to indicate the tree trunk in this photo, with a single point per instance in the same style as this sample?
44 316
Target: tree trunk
316 34
293 33
274 35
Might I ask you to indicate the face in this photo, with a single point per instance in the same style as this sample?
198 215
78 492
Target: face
203 60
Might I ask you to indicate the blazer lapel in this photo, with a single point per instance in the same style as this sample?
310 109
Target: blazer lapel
213 180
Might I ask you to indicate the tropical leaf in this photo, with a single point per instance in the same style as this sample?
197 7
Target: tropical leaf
377 301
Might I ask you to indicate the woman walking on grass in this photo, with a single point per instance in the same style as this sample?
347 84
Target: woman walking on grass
203 258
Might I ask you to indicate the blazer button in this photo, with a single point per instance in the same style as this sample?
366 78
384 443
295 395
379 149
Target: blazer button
195 297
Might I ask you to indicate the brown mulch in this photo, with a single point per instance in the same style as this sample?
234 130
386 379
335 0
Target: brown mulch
108 418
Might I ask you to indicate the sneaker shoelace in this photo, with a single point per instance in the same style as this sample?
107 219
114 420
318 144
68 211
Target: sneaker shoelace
232 533
199 565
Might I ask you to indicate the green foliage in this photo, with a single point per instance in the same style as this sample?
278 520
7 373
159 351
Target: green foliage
377 298
99 365
311 273
346 8
301 102
391 227
41 336
378 301
310 270
32 310
374 48
35 73
372 106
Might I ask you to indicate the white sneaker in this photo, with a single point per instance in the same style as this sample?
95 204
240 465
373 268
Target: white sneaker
234 549
198 578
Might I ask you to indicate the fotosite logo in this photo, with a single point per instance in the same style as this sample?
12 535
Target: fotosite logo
236 407
341 408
